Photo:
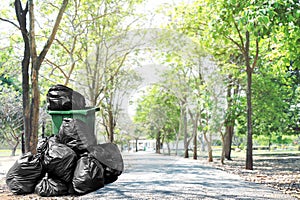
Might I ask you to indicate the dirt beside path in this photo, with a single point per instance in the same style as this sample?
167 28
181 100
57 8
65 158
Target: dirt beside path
279 172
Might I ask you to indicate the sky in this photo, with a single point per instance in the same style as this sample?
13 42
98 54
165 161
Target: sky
149 8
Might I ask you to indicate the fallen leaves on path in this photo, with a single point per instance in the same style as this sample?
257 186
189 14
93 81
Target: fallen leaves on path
280 172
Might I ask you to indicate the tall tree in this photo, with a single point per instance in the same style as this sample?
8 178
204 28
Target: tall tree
247 29
31 93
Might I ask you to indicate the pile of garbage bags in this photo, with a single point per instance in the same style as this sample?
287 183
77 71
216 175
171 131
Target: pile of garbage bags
70 162
57 169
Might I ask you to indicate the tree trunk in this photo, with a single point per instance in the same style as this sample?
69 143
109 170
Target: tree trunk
22 16
35 109
230 125
158 144
210 155
229 122
14 148
111 126
136 145
223 148
186 144
195 146
195 131
169 149
163 139
23 144
228 141
209 148
249 154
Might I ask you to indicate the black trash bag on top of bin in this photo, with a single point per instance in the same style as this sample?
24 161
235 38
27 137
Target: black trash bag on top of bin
76 134
109 155
88 175
23 176
58 159
60 97
48 187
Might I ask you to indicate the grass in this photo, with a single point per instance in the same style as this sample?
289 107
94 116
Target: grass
242 153
7 152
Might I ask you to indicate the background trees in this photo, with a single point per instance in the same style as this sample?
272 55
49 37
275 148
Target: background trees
158 112
240 35
249 84
11 117
93 54
86 21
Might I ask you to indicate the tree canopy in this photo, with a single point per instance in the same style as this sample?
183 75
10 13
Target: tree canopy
232 68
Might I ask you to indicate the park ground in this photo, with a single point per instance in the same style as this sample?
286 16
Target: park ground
151 176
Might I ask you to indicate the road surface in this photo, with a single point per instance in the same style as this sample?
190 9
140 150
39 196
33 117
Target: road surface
151 176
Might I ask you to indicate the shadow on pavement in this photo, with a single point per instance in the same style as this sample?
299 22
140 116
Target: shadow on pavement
152 176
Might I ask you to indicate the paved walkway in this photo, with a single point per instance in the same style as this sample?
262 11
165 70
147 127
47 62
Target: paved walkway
152 176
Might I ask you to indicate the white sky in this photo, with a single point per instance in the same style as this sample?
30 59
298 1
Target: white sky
149 8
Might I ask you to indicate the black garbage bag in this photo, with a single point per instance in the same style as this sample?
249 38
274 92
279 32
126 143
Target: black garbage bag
60 97
76 134
110 175
88 175
109 155
23 176
43 144
48 187
59 160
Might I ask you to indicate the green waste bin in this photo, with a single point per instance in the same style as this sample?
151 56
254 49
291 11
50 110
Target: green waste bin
86 115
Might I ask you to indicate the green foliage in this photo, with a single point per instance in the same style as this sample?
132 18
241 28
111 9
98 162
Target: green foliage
11 115
274 105
87 25
158 110
221 26
274 139
269 105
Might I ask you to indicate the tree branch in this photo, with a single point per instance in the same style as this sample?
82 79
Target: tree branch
256 54
21 17
97 17
63 46
32 31
53 33
236 43
6 20
239 32
56 67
